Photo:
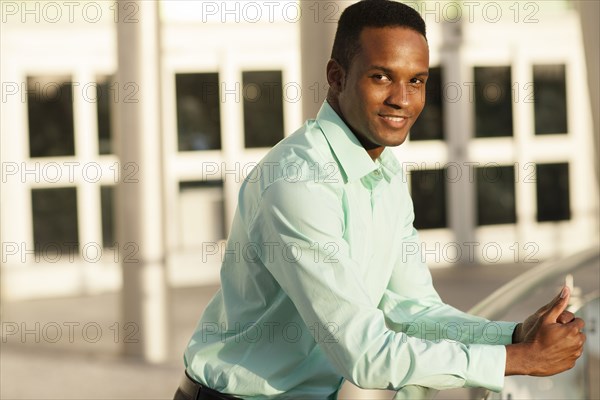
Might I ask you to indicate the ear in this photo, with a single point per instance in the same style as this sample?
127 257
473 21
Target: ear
336 76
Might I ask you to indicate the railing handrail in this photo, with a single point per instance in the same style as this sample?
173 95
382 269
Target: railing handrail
502 300
496 305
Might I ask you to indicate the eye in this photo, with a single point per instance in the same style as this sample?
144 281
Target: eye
380 78
417 82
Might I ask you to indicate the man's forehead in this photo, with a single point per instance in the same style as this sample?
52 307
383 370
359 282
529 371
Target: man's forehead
371 33
377 43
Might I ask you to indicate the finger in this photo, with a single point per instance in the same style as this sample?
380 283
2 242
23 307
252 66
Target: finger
577 323
565 317
560 304
572 331
544 309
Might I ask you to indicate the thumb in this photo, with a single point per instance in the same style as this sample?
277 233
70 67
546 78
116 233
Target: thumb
559 305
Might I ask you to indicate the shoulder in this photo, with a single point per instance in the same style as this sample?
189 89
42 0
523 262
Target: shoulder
303 157
299 171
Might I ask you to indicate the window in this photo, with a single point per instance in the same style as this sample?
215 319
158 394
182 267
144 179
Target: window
552 187
201 213
55 220
104 95
550 99
198 111
430 124
495 195
107 204
428 191
50 116
263 108
493 102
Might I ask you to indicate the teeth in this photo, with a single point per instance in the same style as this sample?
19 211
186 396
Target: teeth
395 119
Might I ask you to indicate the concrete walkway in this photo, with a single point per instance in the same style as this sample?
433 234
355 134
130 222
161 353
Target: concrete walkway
68 348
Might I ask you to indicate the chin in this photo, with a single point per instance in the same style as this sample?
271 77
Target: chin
395 141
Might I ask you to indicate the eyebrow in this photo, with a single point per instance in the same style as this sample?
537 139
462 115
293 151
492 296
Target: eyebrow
390 72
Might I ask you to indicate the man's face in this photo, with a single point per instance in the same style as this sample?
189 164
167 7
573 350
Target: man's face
382 93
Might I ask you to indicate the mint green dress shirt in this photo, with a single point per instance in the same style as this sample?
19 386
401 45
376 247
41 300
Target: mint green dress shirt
322 280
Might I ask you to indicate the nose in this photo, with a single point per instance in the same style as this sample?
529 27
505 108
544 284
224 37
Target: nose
399 96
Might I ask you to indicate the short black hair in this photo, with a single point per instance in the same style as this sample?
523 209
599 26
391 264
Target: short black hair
372 14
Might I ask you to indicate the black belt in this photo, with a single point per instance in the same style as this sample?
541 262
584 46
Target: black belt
197 391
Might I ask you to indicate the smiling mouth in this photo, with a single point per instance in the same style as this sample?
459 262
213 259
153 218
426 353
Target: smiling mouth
393 119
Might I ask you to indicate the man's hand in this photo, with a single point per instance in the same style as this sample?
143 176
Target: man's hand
550 341
523 328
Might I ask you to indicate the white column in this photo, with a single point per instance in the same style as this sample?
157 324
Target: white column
589 12
232 132
16 225
461 204
317 31
89 207
139 196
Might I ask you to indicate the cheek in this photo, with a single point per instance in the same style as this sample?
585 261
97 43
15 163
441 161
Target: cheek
420 99
359 104
374 95
419 107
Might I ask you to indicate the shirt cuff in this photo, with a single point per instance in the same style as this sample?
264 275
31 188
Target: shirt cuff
507 329
486 367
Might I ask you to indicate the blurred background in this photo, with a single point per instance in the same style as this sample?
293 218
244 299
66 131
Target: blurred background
127 128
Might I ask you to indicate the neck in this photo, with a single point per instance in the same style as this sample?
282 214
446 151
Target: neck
376 152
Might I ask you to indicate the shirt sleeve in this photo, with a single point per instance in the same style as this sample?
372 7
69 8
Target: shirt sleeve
412 305
305 221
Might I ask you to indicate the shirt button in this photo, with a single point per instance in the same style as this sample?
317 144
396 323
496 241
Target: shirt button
377 172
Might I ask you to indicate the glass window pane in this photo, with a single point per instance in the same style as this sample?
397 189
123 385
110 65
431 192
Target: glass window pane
428 191
50 116
550 94
493 102
104 94
198 111
55 220
107 203
552 186
430 124
201 213
496 195
263 108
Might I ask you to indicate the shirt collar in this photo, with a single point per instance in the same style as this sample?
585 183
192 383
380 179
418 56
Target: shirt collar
352 157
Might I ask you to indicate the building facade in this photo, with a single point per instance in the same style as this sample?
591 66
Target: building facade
500 164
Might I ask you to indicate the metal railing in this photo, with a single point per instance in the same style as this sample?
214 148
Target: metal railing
502 300
499 303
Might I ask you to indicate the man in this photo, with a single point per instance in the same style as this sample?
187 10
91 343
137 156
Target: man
316 285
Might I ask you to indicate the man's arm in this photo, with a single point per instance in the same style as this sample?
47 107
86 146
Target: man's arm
546 343
412 305
328 290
